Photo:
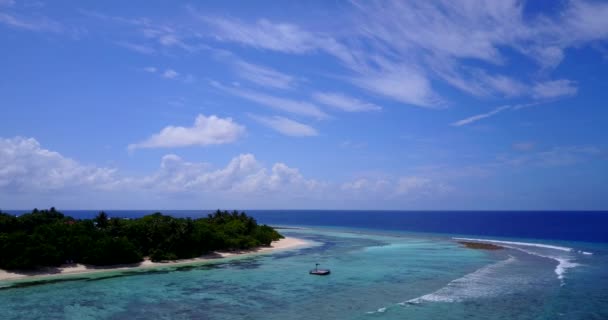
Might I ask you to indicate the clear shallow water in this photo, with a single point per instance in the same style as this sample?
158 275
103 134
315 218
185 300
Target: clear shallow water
374 276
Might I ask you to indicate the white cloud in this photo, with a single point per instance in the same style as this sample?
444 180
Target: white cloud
403 50
478 117
554 89
139 48
411 185
286 126
367 185
283 104
402 84
264 76
394 80
38 24
390 188
344 102
150 69
554 157
205 131
243 175
170 74
543 92
27 167
264 34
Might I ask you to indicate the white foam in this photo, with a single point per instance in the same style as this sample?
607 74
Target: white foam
563 263
482 282
529 244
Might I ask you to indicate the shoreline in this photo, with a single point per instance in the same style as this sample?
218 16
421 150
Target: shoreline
287 243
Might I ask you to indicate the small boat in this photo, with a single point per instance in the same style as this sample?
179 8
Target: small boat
319 272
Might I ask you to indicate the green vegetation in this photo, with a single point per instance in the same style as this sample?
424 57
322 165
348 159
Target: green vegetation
49 238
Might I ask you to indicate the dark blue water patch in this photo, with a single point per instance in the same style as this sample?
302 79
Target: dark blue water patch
589 226
558 225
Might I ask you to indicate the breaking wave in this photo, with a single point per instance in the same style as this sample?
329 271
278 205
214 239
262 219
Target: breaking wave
483 282
564 262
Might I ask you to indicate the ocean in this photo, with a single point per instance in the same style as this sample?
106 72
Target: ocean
385 265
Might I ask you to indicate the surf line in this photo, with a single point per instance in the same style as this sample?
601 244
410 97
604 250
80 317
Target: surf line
530 244
563 263
453 291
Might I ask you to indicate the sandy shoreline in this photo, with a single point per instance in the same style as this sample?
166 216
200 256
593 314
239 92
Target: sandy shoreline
286 243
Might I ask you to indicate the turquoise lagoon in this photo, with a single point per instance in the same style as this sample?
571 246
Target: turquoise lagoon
375 275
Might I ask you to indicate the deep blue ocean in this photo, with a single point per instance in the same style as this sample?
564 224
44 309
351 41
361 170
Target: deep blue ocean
588 226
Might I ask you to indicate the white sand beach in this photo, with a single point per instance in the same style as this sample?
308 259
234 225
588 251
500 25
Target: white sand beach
286 243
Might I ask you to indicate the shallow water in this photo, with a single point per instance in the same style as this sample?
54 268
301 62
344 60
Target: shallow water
374 276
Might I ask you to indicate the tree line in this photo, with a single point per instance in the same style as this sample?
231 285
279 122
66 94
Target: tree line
48 238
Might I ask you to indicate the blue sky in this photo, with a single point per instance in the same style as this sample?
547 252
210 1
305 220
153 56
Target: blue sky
335 105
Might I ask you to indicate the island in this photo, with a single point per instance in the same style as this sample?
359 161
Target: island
43 239
480 245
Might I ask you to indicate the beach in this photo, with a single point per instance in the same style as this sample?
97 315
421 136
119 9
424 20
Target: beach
374 274
286 243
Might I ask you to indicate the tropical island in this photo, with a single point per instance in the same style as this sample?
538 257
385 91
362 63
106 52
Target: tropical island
48 238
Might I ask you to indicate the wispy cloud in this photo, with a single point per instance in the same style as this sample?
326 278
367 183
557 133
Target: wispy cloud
554 157
286 126
403 51
263 34
264 76
498 110
282 104
554 89
38 24
139 48
407 188
205 131
344 102
478 117
150 69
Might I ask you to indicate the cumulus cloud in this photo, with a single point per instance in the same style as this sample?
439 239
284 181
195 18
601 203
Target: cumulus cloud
286 126
243 175
206 131
27 167
344 102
